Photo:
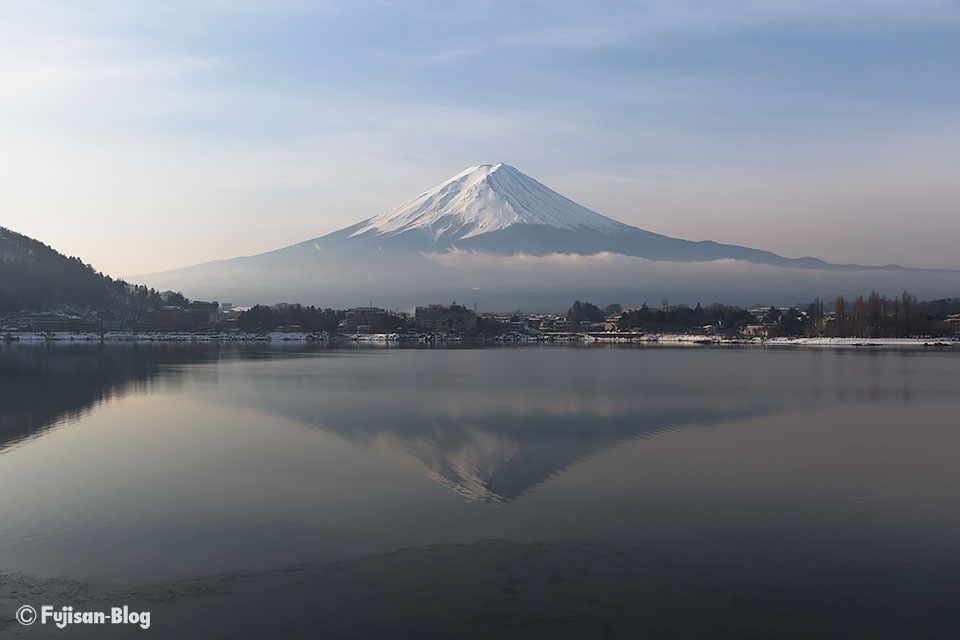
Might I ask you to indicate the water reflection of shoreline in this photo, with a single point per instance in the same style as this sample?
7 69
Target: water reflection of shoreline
43 386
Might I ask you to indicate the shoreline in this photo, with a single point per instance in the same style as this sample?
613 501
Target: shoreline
568 339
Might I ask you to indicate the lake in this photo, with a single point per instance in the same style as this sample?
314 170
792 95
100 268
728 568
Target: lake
529 491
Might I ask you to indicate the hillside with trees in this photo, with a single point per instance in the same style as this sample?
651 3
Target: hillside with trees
35 277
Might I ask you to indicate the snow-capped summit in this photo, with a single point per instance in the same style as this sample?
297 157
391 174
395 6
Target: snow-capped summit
483 199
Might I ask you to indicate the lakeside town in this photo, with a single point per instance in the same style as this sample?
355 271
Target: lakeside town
873 320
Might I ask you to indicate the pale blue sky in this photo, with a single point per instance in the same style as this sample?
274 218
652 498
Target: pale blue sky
151 136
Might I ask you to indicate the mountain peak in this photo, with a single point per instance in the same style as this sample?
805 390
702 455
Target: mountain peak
481 199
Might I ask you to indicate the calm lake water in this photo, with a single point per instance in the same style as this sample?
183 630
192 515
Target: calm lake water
799 468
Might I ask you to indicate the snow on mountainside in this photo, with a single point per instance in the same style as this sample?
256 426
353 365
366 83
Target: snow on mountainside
483 199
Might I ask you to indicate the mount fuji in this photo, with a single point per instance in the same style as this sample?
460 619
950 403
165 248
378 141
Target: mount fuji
496 234
497 210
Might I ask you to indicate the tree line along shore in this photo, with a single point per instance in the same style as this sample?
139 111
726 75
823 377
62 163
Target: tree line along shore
866 317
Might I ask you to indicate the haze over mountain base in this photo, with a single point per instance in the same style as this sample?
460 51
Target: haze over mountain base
503 283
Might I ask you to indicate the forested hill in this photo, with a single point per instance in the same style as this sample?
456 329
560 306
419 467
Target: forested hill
35 277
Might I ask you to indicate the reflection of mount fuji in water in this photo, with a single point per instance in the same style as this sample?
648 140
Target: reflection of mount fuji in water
489 424
485 466
493 424
491 467
497 458
499 423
